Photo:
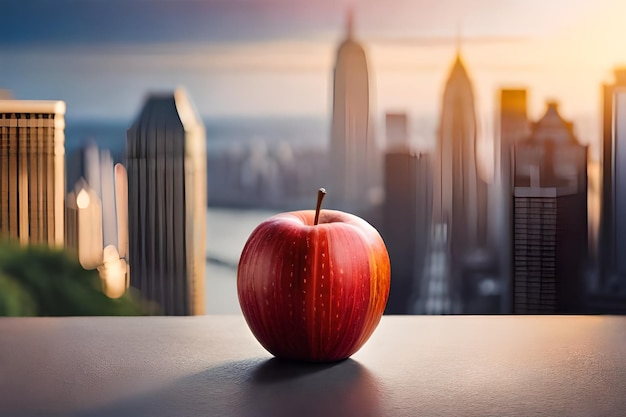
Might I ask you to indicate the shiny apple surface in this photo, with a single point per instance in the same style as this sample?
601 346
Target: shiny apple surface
313 292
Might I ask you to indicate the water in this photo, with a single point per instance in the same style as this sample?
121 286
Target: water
222 134
227 232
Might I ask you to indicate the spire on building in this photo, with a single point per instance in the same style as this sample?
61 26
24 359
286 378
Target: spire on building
350 21
355 160
459 38
459 72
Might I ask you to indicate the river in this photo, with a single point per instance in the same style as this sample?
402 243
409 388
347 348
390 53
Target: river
227 232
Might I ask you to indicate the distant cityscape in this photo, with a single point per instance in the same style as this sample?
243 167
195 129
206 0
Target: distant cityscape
130 199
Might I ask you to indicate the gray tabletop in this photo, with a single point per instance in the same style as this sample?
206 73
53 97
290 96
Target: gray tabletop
412 366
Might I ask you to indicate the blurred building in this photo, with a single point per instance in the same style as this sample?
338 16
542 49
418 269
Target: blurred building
435 292
354 157
273 176
397 131
612 245
97 216
514 127
32 171
407 213
549 219
460 194
166 159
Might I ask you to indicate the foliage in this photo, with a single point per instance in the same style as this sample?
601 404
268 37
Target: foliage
41 281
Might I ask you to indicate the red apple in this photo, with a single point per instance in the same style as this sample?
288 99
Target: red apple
312 290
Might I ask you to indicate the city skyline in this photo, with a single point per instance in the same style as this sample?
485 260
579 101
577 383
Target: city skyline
456 258
233 62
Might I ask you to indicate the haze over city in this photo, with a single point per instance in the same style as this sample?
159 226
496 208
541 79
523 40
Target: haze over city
275 57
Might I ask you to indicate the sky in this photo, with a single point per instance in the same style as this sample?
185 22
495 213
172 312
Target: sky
275 57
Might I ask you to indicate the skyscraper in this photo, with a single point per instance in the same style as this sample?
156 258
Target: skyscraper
406 214
460 193
353 153
32 171
166 159
613 196
514 127
549 219
397 131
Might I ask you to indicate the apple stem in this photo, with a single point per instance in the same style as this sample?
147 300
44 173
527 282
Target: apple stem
320 196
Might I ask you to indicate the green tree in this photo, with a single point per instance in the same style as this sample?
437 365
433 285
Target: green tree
41 281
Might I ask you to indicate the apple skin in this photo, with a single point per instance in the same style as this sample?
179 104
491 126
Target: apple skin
313 292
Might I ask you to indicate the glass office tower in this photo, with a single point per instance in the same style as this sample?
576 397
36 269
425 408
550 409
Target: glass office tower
167 204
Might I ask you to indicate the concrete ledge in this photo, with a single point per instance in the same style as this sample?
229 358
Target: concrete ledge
412 366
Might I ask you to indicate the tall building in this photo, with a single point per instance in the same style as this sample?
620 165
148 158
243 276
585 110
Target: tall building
97 216
397 131
353 153
460 193
166 159
514 127
32 171
549 219
406 214
612 243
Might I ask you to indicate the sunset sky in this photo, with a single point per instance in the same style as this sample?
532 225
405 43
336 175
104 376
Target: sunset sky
275 57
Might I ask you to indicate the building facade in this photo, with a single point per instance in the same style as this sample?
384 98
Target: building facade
549 219
166 160
612 271
513 127
354 158
32 171
460 193
407 213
